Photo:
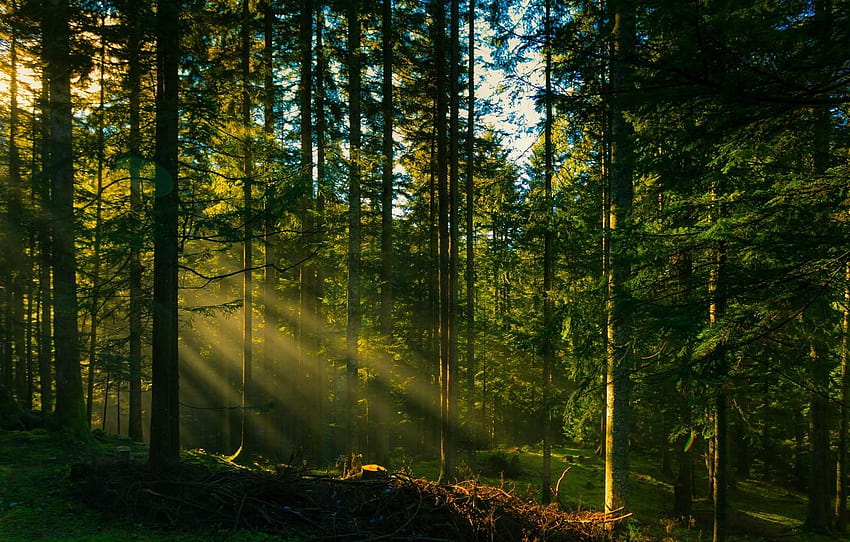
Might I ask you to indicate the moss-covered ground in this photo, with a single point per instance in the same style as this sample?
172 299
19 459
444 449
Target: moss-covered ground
38 499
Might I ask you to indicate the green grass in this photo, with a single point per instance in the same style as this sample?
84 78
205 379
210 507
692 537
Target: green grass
759 511
37 500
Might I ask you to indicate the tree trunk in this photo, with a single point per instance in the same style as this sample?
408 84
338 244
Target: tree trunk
165 405
321 188
843 410
605 194
548 331
817 513
271 276
134 75
473 421
70 411
45 257
354 243
247 444
618 385
379 406
387 191
18 267
94 301
683 490
717 309
432 418
443 196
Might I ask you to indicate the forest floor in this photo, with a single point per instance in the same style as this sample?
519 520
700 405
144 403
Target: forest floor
49 488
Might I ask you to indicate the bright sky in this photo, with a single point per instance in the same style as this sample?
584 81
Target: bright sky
513 113
513 96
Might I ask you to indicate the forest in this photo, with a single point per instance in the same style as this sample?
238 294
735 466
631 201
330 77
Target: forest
381 231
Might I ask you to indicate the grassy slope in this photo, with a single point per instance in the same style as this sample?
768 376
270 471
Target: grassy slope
37 503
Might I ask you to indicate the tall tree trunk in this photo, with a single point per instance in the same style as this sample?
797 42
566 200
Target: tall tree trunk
246 417
14 230
308 300
818 514
618 385
352 334
379 397
683 490
45 256
30 311
321 188
548 331
432 417
165 402
844 410
720 465
818 510
94 300
387 169
271 276
6 352
134 76
443 196
454 235
70 410
472 421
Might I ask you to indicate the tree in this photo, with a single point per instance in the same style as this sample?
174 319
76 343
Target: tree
354 211
618 381
247 433
548 345
387 112
165 401
133 18
69 410
844 397
818 512
472 421
17 265
444 240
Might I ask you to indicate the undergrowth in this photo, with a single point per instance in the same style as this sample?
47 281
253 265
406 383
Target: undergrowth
39 499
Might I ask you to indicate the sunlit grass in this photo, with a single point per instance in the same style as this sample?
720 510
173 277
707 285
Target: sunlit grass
760 511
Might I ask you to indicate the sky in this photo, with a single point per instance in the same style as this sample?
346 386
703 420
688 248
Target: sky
512 94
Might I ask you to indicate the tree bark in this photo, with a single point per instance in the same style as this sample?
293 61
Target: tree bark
247 444
818 513
94 301
444 240
379 400
618 384
818 510
548 331
321 188
720 466
387 191
18 266
354 237
45 257
844 410
473 421
165 405
271 315
134 75
70 411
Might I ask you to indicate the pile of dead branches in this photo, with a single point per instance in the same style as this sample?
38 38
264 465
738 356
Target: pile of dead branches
326 508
